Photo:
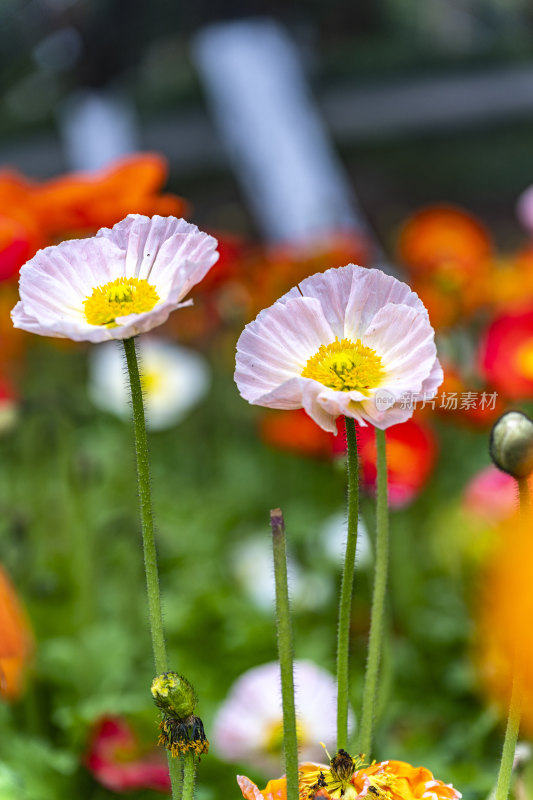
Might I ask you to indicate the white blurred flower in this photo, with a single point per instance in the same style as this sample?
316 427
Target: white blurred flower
333 535
174 380
252 563
249 725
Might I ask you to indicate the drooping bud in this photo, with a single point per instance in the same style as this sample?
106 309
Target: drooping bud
511 444
174 695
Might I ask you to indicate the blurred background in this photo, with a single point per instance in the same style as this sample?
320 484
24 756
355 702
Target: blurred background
392 133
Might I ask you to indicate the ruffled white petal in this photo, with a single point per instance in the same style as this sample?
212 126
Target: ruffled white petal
170 253
277 345
352 295
404 340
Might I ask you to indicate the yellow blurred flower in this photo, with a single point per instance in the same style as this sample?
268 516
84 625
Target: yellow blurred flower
505 614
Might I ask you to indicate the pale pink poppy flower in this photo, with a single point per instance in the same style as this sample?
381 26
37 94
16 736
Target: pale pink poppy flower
249 725
123 281
349 341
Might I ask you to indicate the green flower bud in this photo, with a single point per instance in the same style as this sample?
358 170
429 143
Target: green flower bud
174 695
511 444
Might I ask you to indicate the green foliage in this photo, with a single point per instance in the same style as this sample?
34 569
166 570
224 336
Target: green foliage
70 539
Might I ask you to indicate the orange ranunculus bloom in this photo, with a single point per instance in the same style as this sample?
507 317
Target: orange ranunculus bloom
388 780
448 253
16 640
85 201
441 237
511 281
504 633
33 215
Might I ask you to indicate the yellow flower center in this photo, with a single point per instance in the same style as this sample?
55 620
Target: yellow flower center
274 737
151 380
119 298
345 366
344 779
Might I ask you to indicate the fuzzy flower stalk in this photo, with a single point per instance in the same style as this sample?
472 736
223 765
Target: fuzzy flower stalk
122 282
357 343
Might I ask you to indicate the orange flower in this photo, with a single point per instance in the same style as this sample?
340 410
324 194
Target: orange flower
16 640
448 253
505 633
386 780
83 202
443 237
511 281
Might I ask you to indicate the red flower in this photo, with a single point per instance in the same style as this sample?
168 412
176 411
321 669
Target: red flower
411 456
411 449
115 760
506 355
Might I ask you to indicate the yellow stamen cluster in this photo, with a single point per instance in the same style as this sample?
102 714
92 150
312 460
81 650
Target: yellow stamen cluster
182 736
345 366
340 779
273 742
119 298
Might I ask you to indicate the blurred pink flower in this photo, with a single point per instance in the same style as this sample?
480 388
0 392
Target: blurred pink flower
491 495
115 759
524 208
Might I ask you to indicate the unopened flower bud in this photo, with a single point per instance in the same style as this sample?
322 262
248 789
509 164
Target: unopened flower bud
174 695
511 444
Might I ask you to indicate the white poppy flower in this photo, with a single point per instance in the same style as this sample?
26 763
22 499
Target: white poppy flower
249 725
174 380
349 341
253 569
123 281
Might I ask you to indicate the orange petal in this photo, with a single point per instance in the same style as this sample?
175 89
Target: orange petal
16 640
